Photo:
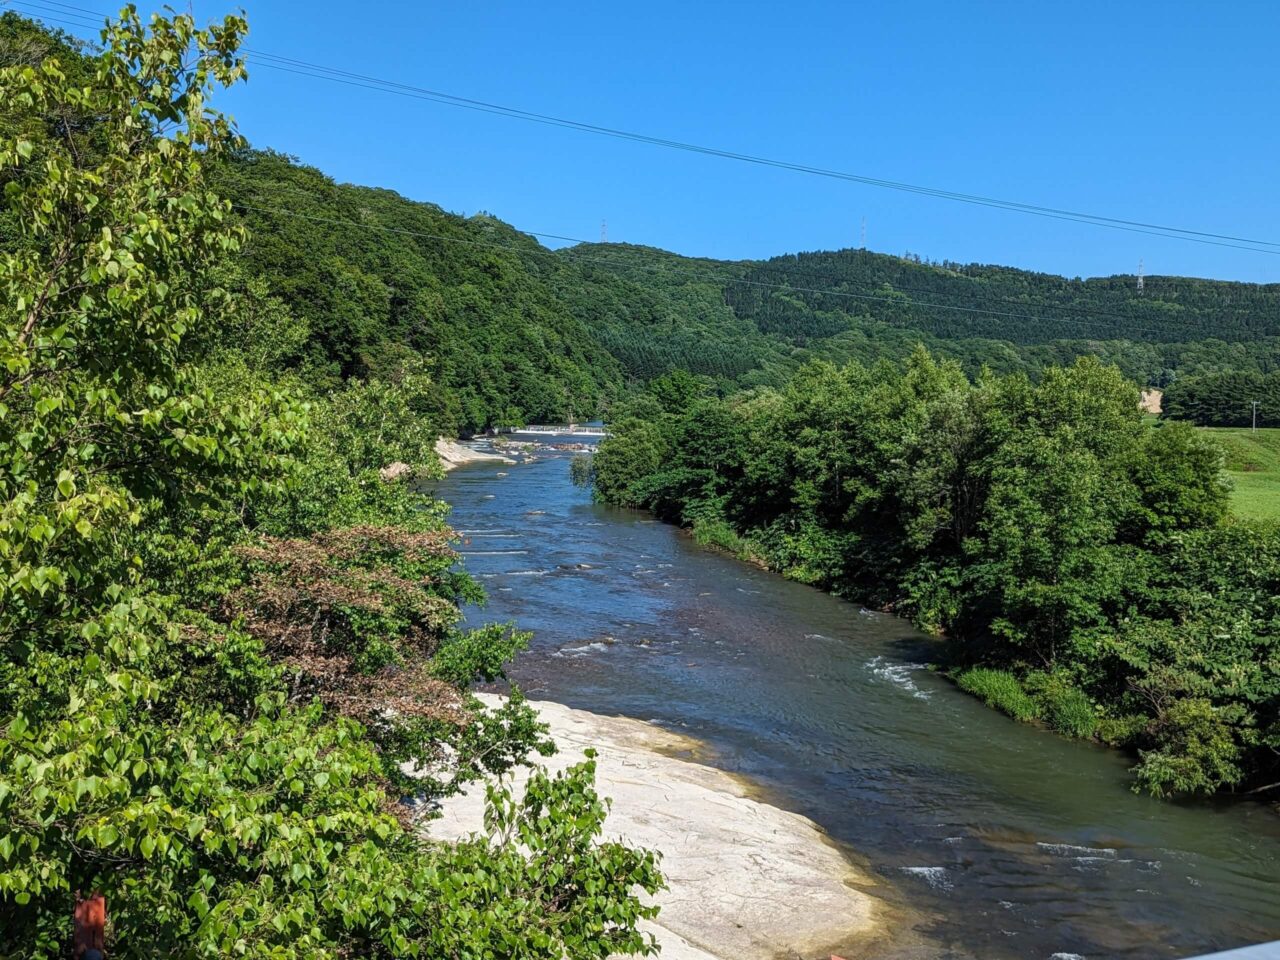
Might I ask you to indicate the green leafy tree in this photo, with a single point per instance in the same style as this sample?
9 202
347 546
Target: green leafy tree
1081 563
199 650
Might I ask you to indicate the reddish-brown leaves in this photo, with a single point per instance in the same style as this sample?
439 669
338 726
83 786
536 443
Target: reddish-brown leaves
322 603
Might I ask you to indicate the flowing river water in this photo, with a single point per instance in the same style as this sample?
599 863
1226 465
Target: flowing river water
996 839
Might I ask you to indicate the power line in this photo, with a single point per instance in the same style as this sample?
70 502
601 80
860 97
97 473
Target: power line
1171 233
45 17
336 75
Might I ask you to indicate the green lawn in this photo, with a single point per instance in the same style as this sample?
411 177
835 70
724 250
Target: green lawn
1253 461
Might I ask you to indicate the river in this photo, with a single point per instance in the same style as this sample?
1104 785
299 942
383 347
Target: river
999 840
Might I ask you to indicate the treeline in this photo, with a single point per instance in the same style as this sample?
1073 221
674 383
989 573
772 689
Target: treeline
1225 399
1081 563
755 323
233 676
976 300
513 332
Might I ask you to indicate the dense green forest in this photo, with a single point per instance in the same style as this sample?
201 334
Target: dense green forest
379 280
754 324
510 331
1225 399
955 301
513 332
1081 563
224 638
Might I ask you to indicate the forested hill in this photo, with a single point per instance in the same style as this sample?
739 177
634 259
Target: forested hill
657 311
380 279
769 316
512 331
955 300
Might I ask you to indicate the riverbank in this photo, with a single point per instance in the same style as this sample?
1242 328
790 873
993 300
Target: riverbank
989 839
746 881
453 454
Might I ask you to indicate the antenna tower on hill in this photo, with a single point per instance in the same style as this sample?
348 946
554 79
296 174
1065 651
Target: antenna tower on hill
1142 281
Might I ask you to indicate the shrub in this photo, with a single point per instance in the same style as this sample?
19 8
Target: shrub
1121 731
718 533
999 689
1195 752
582 470
1065 707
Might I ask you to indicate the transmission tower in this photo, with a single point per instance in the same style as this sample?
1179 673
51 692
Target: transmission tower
1142 281
864 233
604 231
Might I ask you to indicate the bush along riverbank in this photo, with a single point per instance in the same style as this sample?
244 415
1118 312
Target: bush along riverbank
1083 566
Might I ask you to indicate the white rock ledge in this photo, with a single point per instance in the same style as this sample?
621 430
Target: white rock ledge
453 454
747 881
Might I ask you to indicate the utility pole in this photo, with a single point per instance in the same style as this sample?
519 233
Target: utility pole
1142 282
1255 416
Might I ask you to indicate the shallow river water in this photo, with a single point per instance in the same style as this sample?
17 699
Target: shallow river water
996 839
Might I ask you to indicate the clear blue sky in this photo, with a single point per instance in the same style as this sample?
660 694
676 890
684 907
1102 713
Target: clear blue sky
1164 112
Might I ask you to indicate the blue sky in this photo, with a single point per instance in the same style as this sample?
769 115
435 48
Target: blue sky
1161 112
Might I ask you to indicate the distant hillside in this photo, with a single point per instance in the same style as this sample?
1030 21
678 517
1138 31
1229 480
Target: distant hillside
514 331
718 317
954 300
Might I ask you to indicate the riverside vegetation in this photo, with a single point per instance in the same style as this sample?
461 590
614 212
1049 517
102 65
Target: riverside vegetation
1083 565
221 635
223 638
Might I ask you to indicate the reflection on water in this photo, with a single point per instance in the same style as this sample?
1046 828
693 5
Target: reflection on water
1007 840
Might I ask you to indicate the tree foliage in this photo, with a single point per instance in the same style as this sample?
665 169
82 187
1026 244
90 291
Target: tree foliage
232 677
755 323
1225 399
1081 562
510 331
380 281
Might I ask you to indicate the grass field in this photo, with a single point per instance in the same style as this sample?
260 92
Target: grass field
1253 461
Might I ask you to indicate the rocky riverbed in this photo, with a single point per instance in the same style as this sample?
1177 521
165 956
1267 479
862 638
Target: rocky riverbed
746 880
453 454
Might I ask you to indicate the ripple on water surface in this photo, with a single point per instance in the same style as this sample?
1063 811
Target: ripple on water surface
899 674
